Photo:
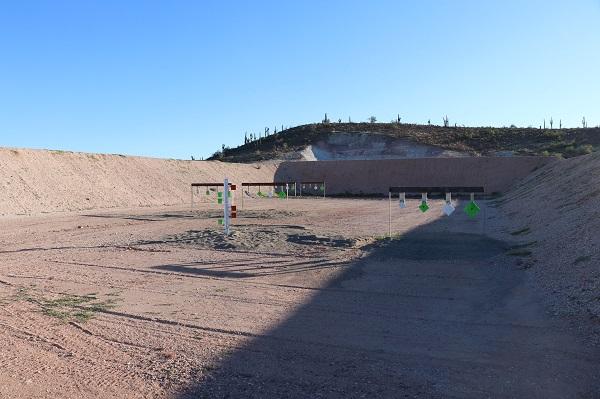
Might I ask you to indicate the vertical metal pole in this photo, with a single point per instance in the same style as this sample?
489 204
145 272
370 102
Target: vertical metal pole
323 189
192 192
301 189
390 215
226 205
484 215
242 186
287 191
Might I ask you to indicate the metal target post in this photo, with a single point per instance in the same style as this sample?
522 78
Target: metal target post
402 200
226 205
390 214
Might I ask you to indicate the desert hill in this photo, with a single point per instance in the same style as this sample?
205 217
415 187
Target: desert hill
326 141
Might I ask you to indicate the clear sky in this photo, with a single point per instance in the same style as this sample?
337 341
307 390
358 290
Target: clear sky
178 78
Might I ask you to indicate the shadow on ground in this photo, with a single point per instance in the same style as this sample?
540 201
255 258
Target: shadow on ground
215 213
431 314
253 237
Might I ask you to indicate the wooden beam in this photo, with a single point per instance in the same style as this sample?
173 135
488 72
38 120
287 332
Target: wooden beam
442 189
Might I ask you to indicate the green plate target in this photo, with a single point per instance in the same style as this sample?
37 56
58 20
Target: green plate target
471 209
424 207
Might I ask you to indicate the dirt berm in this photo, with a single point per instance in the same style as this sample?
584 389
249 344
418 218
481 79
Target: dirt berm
556 210
495 174
40 181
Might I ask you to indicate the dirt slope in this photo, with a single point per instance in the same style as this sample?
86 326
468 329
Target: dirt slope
556 211
38 181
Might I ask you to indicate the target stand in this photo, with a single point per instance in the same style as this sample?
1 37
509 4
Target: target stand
471 209
285 188
205 190
312 188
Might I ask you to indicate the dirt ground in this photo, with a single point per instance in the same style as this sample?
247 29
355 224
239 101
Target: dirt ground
305 299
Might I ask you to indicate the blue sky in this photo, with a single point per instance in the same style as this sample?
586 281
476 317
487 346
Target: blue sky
177 78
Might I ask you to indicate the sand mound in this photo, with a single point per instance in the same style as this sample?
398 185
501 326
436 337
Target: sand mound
39 181
257 237
556 213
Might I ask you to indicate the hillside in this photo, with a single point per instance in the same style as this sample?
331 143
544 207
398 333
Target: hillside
392 140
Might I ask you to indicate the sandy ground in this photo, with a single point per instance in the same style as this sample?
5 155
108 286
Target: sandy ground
302 301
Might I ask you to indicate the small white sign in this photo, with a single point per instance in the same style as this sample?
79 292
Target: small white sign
448 209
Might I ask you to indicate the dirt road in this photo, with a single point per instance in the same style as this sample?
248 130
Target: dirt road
301 301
